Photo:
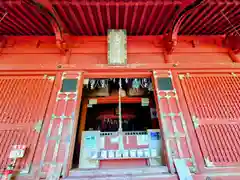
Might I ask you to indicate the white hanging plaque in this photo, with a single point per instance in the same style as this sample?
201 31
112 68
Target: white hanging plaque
117 47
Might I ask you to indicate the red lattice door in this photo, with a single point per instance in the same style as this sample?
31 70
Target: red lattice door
23 102
213 100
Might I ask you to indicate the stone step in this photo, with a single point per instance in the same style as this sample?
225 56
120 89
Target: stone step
143 172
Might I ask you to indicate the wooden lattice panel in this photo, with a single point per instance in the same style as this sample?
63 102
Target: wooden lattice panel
23 102
214 105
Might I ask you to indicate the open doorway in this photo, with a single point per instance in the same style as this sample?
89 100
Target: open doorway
118 123
104 117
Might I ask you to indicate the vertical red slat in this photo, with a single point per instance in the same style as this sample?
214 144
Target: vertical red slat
2 139
166 22
4 145
84 19
20 22
30 86
38 18
7 106
157 22
134 17
18 101
100 18
75 20
223 99
23 139
126 16
150 21
8 84
108 15
236 140
26 19
40 112
17 29
117 16
140 26
92 19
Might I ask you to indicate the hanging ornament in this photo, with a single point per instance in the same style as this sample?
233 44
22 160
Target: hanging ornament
144 83
102 83
92 84
111 122
136 83
120 83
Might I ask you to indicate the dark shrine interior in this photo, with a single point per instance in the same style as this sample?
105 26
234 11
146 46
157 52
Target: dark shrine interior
104 117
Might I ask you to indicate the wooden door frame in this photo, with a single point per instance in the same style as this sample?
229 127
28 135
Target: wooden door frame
99 74
140 74
75 125
116 74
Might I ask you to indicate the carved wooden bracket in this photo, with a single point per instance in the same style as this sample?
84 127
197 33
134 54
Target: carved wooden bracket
169 43
171 39
57 25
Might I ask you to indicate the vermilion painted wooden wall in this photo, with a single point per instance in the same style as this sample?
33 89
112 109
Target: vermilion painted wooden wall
88 53
31 56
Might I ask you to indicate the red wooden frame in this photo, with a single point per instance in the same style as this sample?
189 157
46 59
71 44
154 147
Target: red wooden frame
76 117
